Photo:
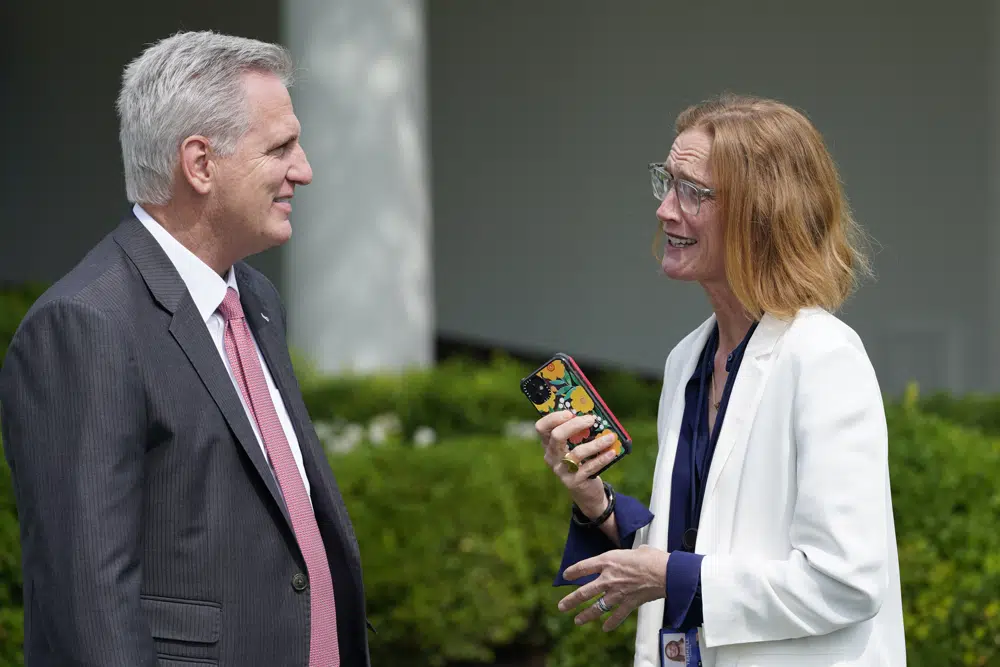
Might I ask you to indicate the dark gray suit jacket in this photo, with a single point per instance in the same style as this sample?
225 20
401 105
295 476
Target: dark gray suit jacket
152 529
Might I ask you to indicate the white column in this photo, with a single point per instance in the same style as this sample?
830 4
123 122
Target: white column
357 271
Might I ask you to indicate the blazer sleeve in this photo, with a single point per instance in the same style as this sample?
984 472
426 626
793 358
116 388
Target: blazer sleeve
73 426
836 572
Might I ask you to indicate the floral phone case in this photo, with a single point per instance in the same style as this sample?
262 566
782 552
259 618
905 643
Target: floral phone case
560 384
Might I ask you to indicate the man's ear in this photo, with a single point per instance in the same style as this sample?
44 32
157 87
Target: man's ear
197 164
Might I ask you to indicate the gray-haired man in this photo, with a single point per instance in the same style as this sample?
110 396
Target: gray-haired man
175 504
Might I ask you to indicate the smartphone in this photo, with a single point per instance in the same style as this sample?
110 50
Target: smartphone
559 384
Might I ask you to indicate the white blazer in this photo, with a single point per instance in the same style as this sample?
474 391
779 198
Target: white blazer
800 564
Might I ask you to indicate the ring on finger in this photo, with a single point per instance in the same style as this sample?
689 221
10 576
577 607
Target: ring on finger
571 464
602 605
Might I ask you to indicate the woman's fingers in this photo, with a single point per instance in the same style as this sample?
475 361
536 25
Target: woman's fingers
545 424
597 463
555 429
584 451
569 428
556 447
618 613
618 616
591 613
593 451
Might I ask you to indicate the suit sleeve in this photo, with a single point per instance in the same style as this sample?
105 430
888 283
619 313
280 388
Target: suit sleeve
836 571
74 431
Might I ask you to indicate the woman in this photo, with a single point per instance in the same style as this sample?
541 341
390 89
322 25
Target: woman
769 538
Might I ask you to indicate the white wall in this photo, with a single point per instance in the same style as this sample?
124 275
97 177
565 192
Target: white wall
544 116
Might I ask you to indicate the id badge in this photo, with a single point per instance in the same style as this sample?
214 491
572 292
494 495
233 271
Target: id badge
679 649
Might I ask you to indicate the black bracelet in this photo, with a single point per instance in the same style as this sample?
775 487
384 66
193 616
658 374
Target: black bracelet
581 519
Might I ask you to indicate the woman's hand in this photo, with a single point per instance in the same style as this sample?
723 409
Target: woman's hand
555 430
628 578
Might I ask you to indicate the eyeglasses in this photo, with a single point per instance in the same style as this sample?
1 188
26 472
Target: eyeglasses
689 195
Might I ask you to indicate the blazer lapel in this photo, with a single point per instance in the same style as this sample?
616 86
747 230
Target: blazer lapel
190 332
669 433
650 615
747 391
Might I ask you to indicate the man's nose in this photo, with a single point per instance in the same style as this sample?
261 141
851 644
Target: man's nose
301 172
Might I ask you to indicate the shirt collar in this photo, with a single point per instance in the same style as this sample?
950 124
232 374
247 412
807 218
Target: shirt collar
704 365
206 287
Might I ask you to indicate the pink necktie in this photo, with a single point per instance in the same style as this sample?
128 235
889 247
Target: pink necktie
324 650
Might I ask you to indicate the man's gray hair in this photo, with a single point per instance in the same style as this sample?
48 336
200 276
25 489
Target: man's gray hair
189 83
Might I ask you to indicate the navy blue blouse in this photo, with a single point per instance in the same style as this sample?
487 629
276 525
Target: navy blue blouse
695 448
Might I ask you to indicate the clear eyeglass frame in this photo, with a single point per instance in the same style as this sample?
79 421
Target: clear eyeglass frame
689 195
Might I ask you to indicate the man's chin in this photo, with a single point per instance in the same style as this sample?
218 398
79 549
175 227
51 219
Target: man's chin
272 236
279 232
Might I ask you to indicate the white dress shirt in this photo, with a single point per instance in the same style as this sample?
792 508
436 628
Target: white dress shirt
207 289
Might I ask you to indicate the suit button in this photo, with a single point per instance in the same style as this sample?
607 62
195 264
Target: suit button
299 582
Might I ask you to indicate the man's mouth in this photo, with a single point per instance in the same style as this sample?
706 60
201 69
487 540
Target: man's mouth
283 200
679 241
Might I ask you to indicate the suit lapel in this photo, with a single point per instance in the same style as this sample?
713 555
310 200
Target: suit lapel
670 431
650 615
190 332
747 391
271 340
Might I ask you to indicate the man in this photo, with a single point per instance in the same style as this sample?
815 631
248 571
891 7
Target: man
175 504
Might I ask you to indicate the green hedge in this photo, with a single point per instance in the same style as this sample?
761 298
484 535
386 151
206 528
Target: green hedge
976 411
947 503
461 539
460 544
460 397
11 601
945 498
14 303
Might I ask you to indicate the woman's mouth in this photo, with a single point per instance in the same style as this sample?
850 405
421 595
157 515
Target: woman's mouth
679 241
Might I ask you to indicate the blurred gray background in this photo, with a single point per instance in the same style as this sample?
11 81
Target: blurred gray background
513 152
